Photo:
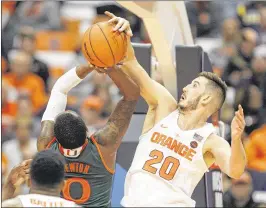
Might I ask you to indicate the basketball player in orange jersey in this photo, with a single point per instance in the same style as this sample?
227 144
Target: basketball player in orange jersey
46 174
177 145
90 161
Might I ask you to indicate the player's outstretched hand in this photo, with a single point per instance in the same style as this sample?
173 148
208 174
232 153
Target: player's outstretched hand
238 124
19 174
122 25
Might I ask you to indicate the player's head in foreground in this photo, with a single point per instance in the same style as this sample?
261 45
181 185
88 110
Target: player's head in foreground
70 130
206 93
47 173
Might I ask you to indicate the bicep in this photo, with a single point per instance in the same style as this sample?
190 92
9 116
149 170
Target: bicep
112 133
165 104
155 114
163 109
149 119
221 151
46 135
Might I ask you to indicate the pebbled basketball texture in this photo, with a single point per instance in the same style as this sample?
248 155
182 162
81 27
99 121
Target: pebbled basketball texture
103 47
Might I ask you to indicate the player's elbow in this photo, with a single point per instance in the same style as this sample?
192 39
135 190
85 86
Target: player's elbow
236 173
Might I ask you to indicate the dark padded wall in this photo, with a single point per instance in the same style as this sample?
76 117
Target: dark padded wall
143 54
188 65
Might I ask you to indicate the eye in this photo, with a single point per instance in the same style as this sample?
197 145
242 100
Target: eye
194 85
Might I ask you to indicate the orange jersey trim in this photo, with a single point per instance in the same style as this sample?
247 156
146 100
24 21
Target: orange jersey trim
102 158
51 142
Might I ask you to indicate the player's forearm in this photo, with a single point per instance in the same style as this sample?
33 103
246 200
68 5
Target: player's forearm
83 70
238 158
129 89
136 72
58 99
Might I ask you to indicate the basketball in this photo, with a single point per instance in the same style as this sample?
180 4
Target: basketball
103 47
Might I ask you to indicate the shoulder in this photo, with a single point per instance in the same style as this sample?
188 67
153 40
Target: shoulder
52 144
15 202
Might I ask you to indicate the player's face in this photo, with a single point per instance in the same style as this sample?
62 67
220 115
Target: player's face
192 94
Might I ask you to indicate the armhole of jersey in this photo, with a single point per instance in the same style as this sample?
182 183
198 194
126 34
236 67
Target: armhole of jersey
101 156
207 136
50 143
143 134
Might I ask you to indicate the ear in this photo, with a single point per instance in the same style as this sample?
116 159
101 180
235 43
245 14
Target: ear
206 99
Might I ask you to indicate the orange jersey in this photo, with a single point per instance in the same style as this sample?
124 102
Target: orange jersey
167 166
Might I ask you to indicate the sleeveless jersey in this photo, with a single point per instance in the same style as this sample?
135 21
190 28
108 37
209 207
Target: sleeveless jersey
88 181
39 200
167 166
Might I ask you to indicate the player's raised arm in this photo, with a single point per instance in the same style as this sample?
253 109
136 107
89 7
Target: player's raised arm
150 90
58 101
232 161
159 99
110 136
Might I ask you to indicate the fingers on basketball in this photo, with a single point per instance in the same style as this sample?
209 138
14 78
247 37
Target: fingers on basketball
119 25
102 47
109 14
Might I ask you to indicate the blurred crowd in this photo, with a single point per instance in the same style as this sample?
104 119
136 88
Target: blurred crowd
239 57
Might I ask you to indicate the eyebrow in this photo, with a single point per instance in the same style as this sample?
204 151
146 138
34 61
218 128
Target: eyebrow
197 82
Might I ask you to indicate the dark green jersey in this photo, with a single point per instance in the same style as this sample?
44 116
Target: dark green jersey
88 182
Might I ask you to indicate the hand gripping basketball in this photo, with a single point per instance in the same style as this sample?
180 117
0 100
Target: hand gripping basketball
105 44
122 25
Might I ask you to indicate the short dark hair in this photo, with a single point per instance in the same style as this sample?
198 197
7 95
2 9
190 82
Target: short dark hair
47 169
217 84
70 130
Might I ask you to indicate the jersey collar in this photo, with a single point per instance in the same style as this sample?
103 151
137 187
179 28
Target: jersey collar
73 153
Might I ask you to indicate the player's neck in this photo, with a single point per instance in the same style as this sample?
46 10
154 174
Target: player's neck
189 120
43 191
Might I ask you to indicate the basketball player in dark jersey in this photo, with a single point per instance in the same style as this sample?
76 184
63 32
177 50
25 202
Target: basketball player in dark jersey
90 161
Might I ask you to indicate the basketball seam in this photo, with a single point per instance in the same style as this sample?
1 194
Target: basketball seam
93 50
108 44
86 49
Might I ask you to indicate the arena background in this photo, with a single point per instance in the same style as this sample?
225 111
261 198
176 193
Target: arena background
232 34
